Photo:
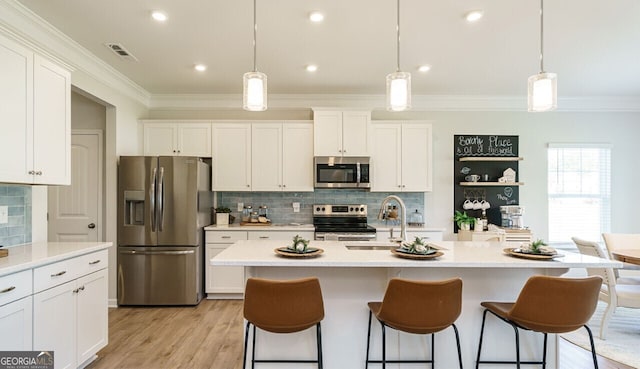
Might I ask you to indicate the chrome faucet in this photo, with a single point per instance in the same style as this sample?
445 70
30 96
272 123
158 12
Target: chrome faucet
403 217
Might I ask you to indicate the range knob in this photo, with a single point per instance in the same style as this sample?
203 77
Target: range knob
362 210
318 208
351 208
323 208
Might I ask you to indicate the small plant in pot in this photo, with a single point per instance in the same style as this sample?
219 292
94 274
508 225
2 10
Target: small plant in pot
225 210
463 220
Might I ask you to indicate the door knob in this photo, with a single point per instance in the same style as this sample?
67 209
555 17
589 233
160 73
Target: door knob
91 225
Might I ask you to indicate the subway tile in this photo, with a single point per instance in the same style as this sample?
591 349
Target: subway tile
15 230
17 220
16 191
16 211
12 240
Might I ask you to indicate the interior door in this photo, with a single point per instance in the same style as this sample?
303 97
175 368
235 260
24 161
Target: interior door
74 211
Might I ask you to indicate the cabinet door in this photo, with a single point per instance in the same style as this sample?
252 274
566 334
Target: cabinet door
51 123
386 158
92 315
223 279
416 157
54 323
327 133
297 157
16 324
160 139
194 139
355 133
231 157
266 158
16 112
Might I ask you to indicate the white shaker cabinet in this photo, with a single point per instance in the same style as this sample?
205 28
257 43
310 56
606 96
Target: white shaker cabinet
222 281
177 138
231 163
402 158
16 314
341 133
35 94
282 157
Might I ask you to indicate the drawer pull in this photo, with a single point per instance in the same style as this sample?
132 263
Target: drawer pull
59 274
264 237
8 289
226 237
94 262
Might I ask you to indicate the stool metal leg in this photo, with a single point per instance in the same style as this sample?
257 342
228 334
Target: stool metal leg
366 365
455 329
433 350
484 318
544 353
319 344
253 349
384 347
517 346
246 342
593 348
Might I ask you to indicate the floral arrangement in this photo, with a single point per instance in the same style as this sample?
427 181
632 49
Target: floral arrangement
537 247
418 246
299 245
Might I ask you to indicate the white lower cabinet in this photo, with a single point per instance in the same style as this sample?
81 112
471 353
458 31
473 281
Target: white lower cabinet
223 281
16 318
71 318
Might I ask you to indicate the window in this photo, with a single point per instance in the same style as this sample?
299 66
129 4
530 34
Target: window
579 187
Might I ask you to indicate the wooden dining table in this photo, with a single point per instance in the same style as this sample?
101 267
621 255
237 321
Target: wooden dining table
631 256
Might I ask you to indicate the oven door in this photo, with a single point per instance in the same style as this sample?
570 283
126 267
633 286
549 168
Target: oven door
337 172
333 236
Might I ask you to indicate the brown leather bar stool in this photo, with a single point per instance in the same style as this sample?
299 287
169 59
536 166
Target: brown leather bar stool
419 307
547 305
282 307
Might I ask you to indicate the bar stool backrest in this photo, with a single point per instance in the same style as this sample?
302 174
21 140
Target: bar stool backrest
555 304
421 306
283 306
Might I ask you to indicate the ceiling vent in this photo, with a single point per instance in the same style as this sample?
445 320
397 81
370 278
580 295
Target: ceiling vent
119 50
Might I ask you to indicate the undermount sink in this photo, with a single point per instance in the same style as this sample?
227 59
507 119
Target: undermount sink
366 245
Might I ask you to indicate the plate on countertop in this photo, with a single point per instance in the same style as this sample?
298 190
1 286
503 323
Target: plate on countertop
408 255
512 251
310 253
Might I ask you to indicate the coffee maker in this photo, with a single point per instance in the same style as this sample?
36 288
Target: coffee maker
512 216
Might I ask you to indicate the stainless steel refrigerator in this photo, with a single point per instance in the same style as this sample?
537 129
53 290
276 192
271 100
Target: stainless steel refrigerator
163 205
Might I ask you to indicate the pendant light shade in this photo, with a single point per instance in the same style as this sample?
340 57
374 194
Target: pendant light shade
254 83
542 87
398 83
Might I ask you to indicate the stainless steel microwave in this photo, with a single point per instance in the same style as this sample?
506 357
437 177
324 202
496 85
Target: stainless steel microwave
342 172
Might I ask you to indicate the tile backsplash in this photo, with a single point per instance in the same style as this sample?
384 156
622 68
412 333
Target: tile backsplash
18 201
281 210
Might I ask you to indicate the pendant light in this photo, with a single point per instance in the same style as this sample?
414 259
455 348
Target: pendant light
254 96
542 87
398 83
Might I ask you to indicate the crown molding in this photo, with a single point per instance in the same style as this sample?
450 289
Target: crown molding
376 102
28 28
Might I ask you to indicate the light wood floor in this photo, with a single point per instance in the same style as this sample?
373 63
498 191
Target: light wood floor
209 336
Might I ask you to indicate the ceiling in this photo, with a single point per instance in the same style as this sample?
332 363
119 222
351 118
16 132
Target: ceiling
593 45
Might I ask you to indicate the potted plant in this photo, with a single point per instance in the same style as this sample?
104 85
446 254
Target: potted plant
463 220
223 216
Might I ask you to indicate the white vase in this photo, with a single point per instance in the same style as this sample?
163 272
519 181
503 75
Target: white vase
222 219
465 226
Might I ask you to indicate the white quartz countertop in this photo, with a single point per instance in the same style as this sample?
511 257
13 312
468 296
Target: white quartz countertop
272 227
457 254
32 255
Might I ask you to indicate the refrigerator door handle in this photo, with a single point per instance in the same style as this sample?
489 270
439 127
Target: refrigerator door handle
152 199
161 200
134 252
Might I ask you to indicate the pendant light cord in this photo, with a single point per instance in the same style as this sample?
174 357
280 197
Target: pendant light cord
398 35
255 31
541 36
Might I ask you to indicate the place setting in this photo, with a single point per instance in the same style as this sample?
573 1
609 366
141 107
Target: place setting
299 248
417 250
537 250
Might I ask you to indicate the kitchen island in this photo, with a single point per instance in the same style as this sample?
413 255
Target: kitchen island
350 277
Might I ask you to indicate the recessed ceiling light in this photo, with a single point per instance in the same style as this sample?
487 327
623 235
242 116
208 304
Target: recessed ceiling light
474 16
316 17
312 68
200 67
424 68
159 16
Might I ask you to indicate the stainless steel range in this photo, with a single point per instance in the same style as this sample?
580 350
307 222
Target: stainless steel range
342 223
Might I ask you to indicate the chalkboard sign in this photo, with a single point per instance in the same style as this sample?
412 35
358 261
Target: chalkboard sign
491 147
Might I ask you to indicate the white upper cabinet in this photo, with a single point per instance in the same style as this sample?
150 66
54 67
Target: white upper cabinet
177 139
231 162
282 157
341 133
35 93
401 157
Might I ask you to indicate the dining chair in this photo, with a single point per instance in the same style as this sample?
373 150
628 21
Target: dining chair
546 305
282 307
614 294
623 241
418 307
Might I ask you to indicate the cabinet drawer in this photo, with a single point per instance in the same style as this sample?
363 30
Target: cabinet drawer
225 236
278 235
15 286
90 263
55 274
